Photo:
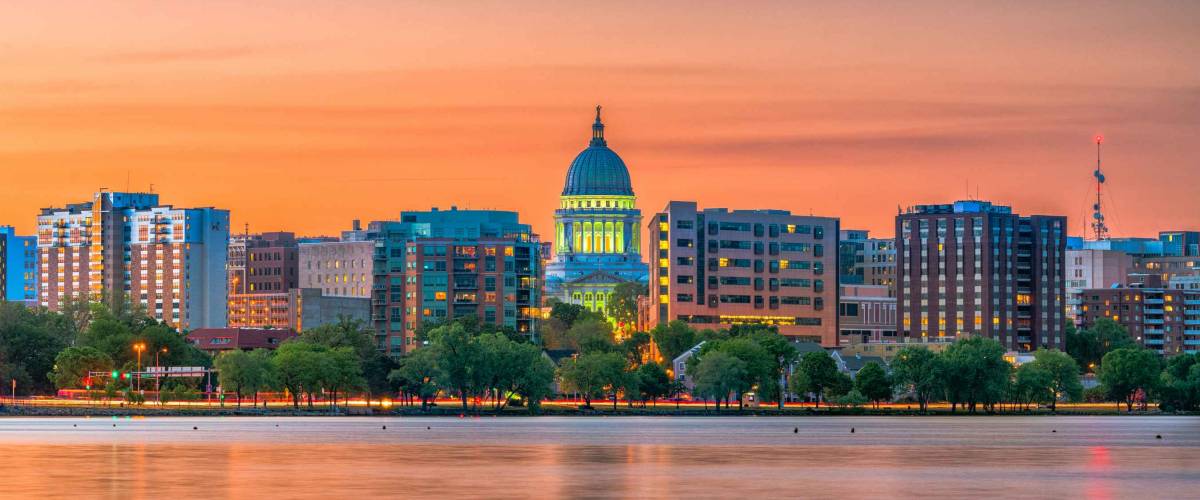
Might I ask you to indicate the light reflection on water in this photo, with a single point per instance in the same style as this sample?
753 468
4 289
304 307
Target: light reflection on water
1091 457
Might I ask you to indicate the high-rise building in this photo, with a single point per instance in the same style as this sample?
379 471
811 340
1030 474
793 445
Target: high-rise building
1163 319
127 246
440 265
18 266
1180 243
974 268
717 268
597 229
1094 269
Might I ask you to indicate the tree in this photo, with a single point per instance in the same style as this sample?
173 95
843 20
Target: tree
533 382
1064 375
783 355
235 371
1033 384
341 372
29 343
820 371
297 366
654 382
415 375
673 339
798 383
636 347
976 373
918 369
73 365
873 383
456 352
624 304
718 375
1128 371
590 335
592 374
1089 346
760 367
1180 386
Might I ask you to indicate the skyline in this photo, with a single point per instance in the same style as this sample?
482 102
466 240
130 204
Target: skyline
822 110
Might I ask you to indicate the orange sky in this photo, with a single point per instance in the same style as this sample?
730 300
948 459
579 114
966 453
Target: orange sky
301 115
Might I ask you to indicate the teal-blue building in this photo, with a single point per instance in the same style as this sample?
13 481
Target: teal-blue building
19 266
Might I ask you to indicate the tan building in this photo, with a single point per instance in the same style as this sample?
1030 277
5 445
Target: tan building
717 268
338 268
1094 269
867 314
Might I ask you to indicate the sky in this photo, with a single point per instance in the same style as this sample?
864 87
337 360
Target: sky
303 115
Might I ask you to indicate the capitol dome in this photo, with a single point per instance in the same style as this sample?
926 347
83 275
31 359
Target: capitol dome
598 170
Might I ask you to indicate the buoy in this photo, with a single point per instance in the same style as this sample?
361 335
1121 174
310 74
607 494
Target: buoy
74 425
852 430
795 430
385 427
114 425
426 427
1158 436
1054 430
194 428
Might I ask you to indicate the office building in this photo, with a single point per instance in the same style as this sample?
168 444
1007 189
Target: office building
863 260
597 229
296 309
717 268
974 268
128 246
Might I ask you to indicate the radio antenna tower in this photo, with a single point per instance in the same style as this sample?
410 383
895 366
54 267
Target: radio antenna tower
1099 228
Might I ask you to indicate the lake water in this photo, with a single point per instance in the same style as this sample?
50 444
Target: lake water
651 457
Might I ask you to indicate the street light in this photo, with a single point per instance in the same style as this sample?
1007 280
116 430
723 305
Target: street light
139 347
158 376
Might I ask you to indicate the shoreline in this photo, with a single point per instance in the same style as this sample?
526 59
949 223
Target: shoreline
442 412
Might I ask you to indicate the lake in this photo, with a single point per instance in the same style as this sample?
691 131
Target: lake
601 457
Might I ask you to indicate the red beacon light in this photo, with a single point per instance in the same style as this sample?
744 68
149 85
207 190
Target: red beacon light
1099 139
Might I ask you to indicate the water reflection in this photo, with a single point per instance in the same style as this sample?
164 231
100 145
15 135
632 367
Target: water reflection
597 458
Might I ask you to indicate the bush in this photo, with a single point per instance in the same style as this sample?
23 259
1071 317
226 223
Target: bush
1094 395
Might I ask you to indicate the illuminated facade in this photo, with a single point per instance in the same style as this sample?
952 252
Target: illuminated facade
128 246
974 268
1162 319
597 229
296 309
18 266
338 268
717 268
439 265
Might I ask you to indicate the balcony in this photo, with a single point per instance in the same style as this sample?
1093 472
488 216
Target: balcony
1153 321
1191 322
1153 342
1154 301
1154 331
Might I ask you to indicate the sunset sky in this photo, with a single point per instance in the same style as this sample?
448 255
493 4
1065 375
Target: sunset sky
302 115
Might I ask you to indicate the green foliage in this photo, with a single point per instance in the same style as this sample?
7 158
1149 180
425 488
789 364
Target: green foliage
73 365
873 383
1180 385
975 373
852 399
415 375
674 338
592 374
719 375
297 366
1088 347
820 373
242 372
654 382
636 347
623 307
1033 384
1128 371
589 335
919 370
798 383
29 342
1064 375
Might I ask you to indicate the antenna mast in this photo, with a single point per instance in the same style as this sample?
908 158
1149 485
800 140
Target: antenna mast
1099 228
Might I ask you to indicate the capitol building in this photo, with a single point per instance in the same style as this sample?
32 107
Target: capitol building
597 229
